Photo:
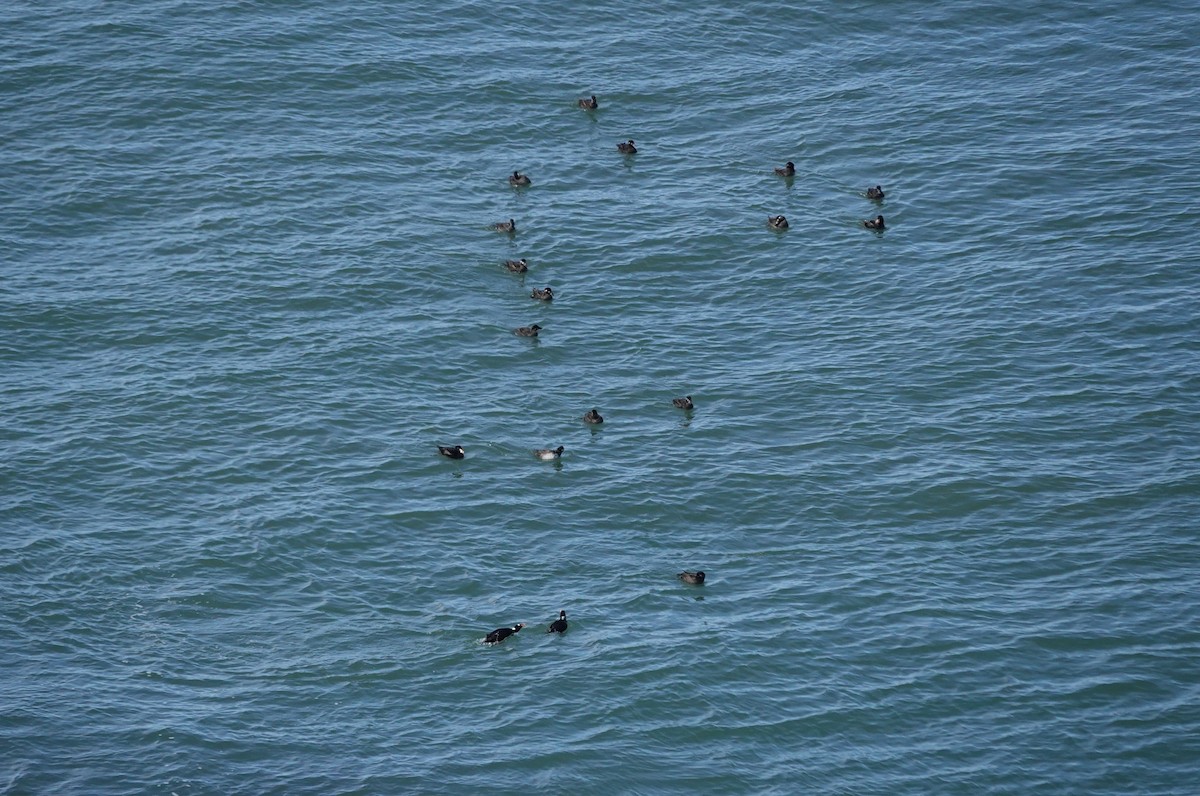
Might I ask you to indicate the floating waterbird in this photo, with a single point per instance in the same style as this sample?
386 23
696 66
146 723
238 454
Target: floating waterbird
501 633
548 454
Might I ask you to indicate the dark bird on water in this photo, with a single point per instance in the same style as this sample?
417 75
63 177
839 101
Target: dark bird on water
501 633
559 625
684 403
453 451
504 226
788 170
694 578
777 222
518 179
593 416
874 223
527 331
549 454
589 104
627 147
545 294
517 266
875 193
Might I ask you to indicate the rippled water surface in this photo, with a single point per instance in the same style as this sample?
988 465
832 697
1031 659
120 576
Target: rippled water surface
944 479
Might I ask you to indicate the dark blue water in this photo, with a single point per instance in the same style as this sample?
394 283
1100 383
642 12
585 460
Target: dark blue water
943 479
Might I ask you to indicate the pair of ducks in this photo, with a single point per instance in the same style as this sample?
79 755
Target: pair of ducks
541 294
779 222
789 170
459 452
560 625
499 634
592 416
590 104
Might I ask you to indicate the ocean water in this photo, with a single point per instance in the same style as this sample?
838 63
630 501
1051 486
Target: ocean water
944 479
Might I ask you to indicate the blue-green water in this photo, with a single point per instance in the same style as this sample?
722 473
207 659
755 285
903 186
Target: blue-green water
944 480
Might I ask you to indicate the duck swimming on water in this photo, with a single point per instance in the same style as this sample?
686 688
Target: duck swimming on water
874 223
875 193
589 104
593 416
509 226
453 451
543 294
694 578
501 633
549 454
788 170
527 331
627 147
518 179
683 403
517 266
558 625
777 222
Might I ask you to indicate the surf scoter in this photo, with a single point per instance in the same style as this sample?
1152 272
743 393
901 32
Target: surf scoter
501 633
